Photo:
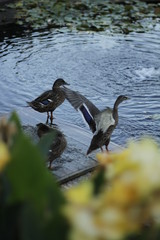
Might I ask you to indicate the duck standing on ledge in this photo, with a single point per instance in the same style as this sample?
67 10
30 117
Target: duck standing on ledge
58 145
102 123
50 100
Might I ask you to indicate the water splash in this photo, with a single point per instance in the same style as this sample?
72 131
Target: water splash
144 73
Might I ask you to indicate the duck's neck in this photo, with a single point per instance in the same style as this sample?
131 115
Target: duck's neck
115 112
55 87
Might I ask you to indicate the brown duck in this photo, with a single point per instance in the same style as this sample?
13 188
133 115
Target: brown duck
102 123
50 100
59 142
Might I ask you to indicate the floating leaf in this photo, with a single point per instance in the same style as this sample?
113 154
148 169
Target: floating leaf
72 14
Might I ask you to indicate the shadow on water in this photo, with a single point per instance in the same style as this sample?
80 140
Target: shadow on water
100 67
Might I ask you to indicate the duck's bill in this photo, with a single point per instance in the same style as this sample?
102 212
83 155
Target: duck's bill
66 83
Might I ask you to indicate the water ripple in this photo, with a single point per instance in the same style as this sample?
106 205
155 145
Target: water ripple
99 66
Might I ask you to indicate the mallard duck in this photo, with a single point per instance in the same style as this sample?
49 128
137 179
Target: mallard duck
59 142
50 100
102 123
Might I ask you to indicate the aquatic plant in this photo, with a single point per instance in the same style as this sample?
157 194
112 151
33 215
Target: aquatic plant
87 15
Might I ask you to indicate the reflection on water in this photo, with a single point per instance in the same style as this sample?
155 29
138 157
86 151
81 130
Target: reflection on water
100 67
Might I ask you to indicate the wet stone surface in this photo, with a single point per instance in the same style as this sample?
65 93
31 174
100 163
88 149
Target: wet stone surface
73 162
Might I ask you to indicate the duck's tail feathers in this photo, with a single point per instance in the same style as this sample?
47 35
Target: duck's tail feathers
27 104
24 106
86 115
35 105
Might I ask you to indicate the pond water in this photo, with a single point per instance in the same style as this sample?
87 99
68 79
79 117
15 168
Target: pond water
99 66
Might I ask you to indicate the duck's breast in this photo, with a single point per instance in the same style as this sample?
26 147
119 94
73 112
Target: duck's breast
104 120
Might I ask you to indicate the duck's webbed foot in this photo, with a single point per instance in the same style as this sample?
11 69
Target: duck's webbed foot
107 149
101 149
50 166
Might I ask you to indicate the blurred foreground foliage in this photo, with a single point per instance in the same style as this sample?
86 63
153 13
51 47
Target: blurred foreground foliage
120 202
30 200
87 15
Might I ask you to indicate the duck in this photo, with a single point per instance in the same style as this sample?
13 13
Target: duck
101 123
58 145
50 99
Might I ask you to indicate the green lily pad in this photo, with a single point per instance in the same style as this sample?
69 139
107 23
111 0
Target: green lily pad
85 15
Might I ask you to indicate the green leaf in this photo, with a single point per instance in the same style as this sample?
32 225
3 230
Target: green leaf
14 118
45 142
29 178
99 180
33 201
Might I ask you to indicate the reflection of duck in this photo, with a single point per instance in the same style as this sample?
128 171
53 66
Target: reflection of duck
59 142
101 123
50 100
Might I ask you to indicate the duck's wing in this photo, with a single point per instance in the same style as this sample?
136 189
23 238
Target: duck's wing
87 109
43 102
104 120
77 100
88 118
45 97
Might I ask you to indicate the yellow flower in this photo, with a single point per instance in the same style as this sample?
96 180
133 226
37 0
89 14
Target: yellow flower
7 131
129 199
113 222
122 193
146 155
80 194
104 158
4 156
138 164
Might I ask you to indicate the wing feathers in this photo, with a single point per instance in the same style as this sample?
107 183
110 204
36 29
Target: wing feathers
77 100
46 102
87 117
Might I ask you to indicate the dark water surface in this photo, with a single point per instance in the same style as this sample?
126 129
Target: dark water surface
100 67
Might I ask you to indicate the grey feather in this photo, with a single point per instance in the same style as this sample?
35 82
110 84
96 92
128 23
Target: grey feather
76 100
104 120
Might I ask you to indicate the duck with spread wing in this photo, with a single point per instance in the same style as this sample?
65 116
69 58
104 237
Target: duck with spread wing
102 123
